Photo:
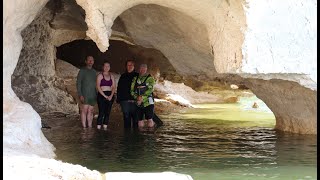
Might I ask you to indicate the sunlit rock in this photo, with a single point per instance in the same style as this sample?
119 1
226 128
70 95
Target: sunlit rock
186 95
33 167
271 44
233 86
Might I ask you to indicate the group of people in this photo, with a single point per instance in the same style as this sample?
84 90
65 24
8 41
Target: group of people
134 93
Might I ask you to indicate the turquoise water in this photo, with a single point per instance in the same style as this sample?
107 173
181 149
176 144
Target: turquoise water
224 141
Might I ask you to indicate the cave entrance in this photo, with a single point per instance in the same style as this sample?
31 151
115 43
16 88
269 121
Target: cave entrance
167 46
186 144
193 136
119 51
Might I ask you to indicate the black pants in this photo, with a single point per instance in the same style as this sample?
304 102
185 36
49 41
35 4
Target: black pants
145 112
129 111
104 108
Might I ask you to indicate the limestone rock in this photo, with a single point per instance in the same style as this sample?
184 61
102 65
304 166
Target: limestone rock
34 80
69 73
42 168
219 36
233 86
294 106
165 88
286 44
22 133
68 15
44 94
220 24
66 70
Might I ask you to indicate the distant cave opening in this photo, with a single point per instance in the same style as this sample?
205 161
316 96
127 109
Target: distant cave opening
118 53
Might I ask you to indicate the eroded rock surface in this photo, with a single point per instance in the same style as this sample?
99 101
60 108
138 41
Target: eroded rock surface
225 42
42 168
34 80
220 22
294 106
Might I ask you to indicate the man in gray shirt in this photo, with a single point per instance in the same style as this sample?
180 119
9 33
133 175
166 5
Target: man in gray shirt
86 87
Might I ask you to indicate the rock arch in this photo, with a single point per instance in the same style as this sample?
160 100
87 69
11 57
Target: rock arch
229 44
224 22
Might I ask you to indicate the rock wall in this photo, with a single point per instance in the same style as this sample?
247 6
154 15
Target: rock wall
173 33
280 47
42 168
239 33
21 124
228 26
34 79
281 37
245 37
45 94
167 89
117 55
33 76
294 106
222 23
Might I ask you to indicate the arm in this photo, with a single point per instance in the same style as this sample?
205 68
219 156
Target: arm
79 82
118 89
150 84
113 88
99 77
133 94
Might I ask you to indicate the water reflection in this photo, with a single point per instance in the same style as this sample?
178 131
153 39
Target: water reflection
293 149
205 149
87 135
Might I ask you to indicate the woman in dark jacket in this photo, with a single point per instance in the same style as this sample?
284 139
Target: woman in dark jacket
124 97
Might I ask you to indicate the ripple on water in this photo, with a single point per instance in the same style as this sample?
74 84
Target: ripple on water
205 148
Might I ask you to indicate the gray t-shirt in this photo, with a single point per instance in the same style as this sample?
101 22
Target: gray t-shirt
86 85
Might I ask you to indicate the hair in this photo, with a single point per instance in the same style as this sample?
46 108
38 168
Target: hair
144 65
88 57
129 60
106 62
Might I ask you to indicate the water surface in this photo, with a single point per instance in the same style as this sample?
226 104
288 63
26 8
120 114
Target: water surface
225 141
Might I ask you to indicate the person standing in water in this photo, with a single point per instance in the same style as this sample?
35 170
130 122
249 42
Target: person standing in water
124 97
86 88
142 91
106 89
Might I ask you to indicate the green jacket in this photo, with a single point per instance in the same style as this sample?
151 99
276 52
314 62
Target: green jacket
147 97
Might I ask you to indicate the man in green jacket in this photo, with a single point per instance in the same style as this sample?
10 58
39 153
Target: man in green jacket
86 87
141 91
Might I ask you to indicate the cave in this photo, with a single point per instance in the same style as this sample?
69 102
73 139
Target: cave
197 48
118 53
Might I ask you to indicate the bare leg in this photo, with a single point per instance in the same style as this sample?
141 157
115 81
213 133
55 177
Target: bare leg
83 116
150 123
141 124
90 115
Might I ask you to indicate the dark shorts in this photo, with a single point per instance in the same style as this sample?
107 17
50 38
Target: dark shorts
92 101
145 112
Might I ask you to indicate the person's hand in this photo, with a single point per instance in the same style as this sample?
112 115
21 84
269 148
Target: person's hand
82 99
109 98
139 100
